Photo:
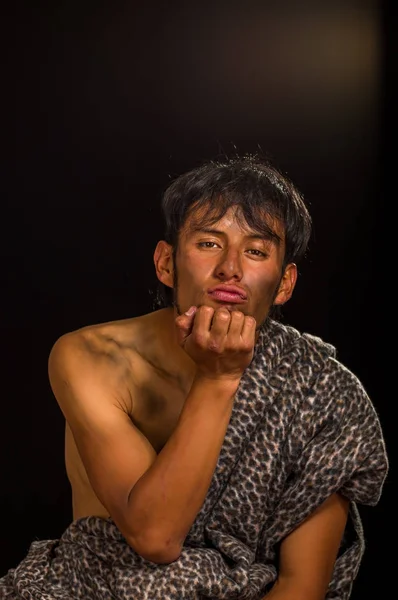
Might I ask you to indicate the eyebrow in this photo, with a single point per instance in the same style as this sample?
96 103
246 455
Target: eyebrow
251 236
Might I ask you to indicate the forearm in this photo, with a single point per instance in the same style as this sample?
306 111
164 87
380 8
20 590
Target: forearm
292 590
165 501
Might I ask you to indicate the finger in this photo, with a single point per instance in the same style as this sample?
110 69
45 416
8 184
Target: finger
220 324
186 320
184 323
236 327
202 323
249 331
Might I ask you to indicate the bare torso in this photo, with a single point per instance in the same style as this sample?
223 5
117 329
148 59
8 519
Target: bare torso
157 388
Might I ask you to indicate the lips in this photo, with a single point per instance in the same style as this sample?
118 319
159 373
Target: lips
228 293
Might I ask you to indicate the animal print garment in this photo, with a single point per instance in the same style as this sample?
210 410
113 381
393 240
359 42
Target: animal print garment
302 427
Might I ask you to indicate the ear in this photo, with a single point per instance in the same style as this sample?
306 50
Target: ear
287 284
163 259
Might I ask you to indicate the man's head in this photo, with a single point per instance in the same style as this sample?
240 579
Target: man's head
238 222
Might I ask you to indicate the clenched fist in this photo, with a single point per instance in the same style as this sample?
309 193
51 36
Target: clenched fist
220 342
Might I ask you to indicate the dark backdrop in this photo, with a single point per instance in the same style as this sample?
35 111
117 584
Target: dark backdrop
110 102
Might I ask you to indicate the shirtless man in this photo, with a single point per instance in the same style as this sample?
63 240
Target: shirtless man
147 400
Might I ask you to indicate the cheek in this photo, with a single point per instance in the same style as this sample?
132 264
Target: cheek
264 279
193 267
266 285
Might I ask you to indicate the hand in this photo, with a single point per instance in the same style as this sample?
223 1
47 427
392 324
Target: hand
220 342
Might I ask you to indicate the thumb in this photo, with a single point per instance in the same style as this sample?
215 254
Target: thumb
184 324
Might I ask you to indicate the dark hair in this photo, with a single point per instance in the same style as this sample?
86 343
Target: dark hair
251 183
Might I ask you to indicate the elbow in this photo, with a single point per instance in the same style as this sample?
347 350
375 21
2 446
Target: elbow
161 552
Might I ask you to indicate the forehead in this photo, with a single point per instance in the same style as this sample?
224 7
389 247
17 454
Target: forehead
207 217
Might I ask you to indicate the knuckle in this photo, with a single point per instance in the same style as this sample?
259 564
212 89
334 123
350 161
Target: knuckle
223 317
238 316
233 347
199 339
246 347
250 321
223 314
215 347
206 310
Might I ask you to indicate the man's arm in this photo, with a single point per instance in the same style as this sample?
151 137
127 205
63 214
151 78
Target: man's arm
152 499
308 554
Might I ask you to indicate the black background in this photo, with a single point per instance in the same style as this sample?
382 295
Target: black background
108 102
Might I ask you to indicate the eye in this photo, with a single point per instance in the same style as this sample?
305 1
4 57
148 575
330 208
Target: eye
257 252
205 244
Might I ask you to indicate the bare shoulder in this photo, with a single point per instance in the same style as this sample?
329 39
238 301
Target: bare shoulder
112 337
93 357
100 356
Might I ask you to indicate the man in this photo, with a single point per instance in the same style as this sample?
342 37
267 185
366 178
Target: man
212 451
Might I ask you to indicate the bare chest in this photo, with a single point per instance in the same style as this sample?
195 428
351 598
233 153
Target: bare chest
157 407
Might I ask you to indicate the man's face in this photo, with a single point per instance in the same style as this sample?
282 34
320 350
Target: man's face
229 253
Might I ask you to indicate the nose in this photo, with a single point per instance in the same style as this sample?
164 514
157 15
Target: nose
230 266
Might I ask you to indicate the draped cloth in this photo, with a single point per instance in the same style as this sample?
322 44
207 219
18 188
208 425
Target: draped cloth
302 427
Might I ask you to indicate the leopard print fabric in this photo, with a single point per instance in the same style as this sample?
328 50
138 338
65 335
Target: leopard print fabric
302 427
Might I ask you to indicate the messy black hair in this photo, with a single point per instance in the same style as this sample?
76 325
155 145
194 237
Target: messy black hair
251 183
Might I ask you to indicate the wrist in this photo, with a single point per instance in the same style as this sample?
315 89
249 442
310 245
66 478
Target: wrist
223 385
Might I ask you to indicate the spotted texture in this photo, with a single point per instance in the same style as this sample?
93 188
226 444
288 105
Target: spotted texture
302 427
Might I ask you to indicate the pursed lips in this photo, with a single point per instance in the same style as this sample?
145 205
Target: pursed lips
230 294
